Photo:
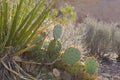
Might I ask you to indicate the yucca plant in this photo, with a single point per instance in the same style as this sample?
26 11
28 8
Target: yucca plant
19 22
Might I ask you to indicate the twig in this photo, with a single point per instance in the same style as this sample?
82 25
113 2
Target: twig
2 59
37 63
24 71
14 72
24 50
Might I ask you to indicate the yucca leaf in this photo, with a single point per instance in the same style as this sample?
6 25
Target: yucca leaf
29 18
3 27
24 24
14 22
34 31
33 28
18 23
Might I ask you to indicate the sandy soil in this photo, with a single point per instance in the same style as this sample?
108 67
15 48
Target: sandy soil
106 10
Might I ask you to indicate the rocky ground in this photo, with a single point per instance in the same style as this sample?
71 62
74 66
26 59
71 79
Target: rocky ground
109 71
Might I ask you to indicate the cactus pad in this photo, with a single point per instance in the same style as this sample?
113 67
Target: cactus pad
54 46
53 49
57 31
39 38
91 65
75 68
71 55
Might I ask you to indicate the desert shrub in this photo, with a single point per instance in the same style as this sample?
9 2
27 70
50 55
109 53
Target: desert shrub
98 37
92 37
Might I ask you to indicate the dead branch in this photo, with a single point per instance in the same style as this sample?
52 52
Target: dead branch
14 72
24 71
37 63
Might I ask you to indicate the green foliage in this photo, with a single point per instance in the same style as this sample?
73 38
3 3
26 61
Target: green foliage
91 65
71 55
19 21
65 13
68 13
19 24
57 31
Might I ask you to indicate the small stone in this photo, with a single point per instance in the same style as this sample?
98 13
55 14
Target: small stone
102 78
56 72
106 75
116 77
105 79
99 78
17 58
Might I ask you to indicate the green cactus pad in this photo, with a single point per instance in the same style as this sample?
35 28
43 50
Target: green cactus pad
39 38
57 31
54 48
71 55
91 65
75 68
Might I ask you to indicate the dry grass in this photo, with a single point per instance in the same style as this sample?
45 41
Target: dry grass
100 38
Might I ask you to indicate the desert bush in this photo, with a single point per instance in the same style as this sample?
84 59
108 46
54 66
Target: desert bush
98 37
93 37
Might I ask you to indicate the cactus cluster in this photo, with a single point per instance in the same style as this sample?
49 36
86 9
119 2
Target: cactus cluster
91 65
70 57
53 49
54 46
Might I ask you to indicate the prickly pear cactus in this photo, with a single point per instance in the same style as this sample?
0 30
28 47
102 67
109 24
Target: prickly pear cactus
54 48
39 38
91 65
71 55
75 68
39 41
57 31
